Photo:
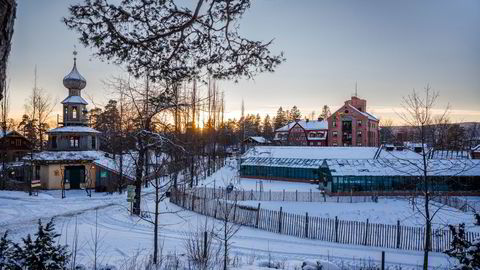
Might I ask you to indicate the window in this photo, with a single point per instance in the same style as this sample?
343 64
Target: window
74 141
74 112
359 134
18 142
359 144
334 133
359 123
94 142
54 142
65 113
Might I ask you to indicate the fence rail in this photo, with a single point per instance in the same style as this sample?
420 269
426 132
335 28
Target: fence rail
324 229
269 195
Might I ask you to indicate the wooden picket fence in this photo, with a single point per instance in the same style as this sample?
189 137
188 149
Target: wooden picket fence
269 195
317 228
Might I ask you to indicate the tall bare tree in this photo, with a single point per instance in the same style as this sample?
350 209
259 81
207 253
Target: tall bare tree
419 114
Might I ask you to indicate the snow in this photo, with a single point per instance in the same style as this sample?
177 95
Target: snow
123 235
386 167
307 125
259 139
312 152
2 134
74 99
76 129
386 211
370 116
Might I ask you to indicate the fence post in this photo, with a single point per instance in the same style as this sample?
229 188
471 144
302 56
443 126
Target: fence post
284 195
270 194
280 221
258 216
251 194
398 233
296 195
383 260
205 237
310 195
193 203
336 229
366 233
243 195
306 225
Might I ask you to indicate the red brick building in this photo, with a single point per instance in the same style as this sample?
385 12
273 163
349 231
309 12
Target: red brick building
303 132
352 125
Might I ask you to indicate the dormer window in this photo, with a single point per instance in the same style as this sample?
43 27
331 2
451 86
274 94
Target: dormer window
74 112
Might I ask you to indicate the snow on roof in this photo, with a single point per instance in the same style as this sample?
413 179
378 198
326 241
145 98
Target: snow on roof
476 148
388 167
2 134
312 152
283 162
76 129
398 154
259 139
370 116
75 99
307 125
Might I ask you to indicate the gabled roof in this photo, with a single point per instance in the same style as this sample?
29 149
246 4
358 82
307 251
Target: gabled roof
307 125
476 148
258 139
370 116
75 99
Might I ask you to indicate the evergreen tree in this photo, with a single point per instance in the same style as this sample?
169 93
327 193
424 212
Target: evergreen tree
294 114
267 130
6 254
42 253
325 112
467 253
281 119
257 124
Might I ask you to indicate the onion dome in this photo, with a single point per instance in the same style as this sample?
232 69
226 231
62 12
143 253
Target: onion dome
74 80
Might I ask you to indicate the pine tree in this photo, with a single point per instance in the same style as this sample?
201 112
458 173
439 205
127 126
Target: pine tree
325 112
267 130
294 114
467 253
281 119
257 124
7 261
42 253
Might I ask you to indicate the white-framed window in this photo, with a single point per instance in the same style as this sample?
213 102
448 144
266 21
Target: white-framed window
334 133
74 112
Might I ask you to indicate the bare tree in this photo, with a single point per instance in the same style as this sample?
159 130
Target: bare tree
419 114
229 225
39 107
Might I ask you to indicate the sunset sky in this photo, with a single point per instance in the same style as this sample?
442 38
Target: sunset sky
387 47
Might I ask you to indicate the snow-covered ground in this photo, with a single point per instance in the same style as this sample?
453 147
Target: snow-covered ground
124 235
386 211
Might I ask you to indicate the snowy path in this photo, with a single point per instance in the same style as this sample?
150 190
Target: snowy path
124 235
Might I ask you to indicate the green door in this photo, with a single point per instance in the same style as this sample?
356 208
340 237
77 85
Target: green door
75 175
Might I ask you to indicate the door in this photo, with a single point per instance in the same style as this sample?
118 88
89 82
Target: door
75 175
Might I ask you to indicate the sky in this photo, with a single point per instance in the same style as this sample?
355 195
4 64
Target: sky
386 48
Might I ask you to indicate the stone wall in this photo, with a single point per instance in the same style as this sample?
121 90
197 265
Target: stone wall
7 17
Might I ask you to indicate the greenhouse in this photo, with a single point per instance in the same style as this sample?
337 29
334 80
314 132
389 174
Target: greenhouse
293 169
348 175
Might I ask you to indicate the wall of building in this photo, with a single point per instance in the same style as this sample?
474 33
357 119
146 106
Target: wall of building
364 131
63 141
51 175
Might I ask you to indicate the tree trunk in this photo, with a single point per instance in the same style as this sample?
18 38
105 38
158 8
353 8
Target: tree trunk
155 229
7 17
138 181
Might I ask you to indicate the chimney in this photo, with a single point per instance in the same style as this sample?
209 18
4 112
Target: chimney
320 119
